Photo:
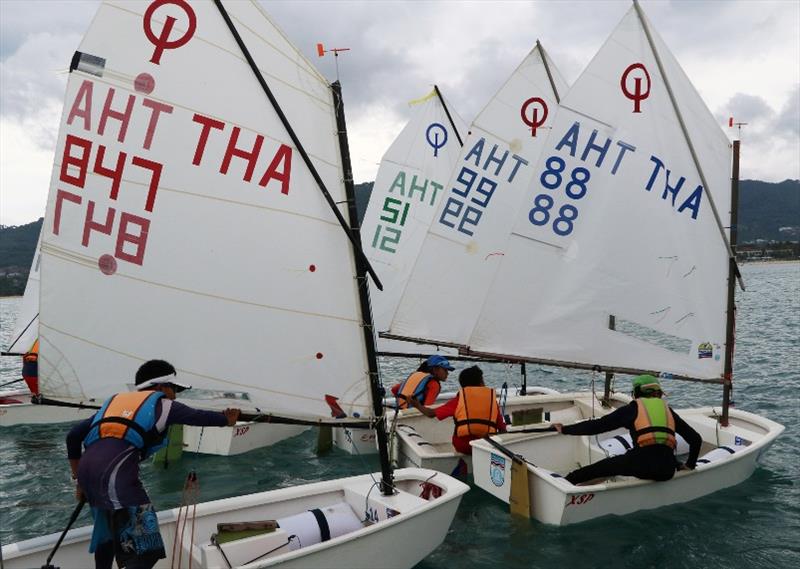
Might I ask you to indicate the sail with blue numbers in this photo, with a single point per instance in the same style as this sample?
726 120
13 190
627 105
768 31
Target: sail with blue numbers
618 228
465 243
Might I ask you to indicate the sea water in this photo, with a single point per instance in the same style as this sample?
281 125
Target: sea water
753 524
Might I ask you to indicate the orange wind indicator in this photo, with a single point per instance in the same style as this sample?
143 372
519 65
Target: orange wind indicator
321 51
732 124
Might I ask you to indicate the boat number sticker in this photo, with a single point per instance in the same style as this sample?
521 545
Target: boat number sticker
497 469
240 431
405 191
163 41
536 118
580 499
476 183
636 95
436 135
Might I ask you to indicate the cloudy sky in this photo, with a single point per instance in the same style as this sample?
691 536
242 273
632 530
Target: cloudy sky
742 55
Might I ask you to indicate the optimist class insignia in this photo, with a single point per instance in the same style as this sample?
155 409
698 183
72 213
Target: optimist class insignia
497 469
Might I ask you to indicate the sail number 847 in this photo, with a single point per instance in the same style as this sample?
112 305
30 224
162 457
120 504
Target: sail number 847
552 178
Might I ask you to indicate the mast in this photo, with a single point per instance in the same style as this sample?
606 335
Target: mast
612 325
447 112
730 326
387 481
728 244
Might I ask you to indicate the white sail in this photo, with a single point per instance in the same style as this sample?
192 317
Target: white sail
407 190
464 244
26 328
182 222
617 223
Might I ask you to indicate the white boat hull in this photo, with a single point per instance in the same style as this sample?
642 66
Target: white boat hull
243 437
421 442
423 523
553 500
12 414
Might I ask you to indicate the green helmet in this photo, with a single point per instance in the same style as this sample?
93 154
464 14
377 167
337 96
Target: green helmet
646 384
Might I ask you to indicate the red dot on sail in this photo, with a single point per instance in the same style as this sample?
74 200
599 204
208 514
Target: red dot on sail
319 355
312 268
107 264
144 83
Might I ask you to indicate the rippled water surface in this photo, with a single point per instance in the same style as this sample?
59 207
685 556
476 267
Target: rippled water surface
755 524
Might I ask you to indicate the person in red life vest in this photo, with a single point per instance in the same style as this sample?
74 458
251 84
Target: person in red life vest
652 424
474 410
30 368
128 428
425 383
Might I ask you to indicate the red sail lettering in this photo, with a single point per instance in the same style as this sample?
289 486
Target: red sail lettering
155 113
62 195
82 105
155 168
251 157
91 225
123 116
81 162
208 124
282 156
114 174
139 241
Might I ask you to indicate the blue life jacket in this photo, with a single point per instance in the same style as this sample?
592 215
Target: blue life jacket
132 418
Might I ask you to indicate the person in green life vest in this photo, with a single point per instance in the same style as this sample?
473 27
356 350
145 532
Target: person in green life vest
652 425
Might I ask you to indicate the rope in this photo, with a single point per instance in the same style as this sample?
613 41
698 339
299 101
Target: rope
191 492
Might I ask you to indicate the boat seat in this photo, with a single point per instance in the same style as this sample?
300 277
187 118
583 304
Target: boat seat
424 447
719 453
620 444
244 550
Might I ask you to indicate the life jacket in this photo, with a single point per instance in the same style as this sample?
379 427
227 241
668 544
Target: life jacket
132 417
30 368
477 412
654 424
416 385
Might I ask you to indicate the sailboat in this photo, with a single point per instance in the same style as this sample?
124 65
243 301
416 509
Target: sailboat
193 215
487 184
620 262
15 404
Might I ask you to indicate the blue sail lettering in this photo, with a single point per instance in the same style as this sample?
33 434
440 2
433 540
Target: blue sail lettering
570 139
601 149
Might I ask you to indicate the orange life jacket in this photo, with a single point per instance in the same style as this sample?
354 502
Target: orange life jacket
477 412
654 423
420 385
131 417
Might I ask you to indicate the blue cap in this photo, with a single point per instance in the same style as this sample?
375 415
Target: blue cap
440 361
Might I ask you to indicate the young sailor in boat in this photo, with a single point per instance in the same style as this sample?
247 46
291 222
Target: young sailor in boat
474 410
30 368
425 383
652 424
128 428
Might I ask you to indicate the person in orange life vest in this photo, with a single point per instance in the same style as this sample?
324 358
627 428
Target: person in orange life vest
474 410
425 383
128 428
30 368
652 425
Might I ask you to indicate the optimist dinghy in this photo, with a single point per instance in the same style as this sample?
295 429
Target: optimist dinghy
194 215
626 248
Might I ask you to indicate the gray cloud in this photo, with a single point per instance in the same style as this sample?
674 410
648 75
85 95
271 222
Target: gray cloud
787 123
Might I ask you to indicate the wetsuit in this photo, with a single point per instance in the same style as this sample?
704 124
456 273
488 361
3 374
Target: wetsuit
653 462
108 474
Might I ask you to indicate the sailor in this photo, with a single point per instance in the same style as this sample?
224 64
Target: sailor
128 428
30 368
652 424
425 383
474 410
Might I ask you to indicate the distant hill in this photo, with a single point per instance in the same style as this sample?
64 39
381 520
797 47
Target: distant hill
767 212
